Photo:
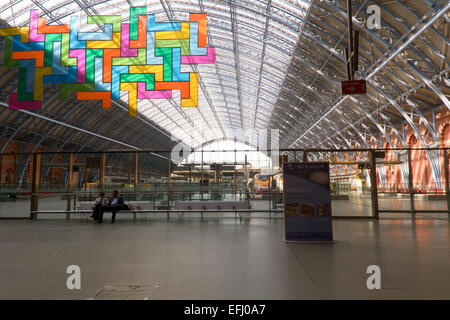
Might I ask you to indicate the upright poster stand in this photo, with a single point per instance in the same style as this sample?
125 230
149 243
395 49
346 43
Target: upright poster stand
307 202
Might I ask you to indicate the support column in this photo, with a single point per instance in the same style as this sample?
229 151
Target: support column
202 177
447 182
190 174
102 171
305 156
136 167
217 174
410 185
1 169
16 171
70 174
168 184
373 182
270 197
69 185
190 181
235 175
35 185
84 178
245 169
168 169
129 167
246 179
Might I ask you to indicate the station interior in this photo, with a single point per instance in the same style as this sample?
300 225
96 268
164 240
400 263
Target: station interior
193 110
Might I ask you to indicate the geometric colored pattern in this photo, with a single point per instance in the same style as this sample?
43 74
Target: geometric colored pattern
143 58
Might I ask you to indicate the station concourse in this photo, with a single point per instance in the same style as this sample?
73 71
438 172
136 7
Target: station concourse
246 149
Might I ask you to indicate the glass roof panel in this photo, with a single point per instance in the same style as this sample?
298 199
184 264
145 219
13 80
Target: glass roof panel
249 62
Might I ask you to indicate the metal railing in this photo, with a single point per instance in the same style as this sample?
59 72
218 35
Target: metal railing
143 181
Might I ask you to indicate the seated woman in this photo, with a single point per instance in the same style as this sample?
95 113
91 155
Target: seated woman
100 203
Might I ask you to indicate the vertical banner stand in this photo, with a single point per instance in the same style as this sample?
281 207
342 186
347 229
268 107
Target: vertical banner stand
307 202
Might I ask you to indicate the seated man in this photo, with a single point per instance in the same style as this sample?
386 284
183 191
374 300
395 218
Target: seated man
115 204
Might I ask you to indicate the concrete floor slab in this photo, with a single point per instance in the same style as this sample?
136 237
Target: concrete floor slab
225 259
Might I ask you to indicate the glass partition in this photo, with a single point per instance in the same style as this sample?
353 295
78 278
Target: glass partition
213 183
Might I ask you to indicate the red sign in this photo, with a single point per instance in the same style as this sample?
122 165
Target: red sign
353 87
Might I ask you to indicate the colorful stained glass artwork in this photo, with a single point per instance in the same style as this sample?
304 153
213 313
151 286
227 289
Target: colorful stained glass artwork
142 57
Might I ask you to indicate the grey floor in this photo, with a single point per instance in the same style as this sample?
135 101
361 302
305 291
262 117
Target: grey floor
222 259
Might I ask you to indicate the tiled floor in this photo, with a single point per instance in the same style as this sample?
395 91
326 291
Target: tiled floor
222 259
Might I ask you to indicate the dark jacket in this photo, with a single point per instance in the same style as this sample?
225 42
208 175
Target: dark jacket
120 202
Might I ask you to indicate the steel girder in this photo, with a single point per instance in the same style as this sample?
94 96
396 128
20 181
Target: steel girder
426 80
36 146
402 97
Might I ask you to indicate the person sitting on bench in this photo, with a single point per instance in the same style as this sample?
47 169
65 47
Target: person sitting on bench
100 203
12 196
115 204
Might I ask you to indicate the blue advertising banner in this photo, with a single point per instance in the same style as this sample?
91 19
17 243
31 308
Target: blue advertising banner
307 201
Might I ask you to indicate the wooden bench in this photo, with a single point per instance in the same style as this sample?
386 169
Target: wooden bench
138 207
201 206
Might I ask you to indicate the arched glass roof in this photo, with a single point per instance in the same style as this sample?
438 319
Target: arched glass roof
254 41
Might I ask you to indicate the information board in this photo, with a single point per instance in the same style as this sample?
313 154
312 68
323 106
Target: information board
353 87
307 201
